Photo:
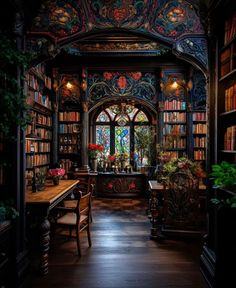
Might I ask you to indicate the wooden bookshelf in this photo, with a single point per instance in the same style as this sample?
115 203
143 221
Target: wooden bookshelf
69 139
39 90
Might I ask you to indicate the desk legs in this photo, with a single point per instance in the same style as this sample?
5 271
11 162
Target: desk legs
156 215
44 245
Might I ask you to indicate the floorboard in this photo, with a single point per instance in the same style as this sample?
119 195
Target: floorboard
122 254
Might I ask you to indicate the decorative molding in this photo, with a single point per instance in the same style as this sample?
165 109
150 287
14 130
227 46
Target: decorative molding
193 46
116 84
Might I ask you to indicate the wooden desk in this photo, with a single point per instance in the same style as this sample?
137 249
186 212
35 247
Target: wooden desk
156 203
39 204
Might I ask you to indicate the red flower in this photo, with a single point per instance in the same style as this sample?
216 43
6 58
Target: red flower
107 75
94 149
122 82
56 172
119 14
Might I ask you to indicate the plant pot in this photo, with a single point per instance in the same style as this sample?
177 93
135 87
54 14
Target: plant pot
55 180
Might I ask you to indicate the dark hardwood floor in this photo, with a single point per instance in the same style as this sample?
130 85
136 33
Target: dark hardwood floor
122 254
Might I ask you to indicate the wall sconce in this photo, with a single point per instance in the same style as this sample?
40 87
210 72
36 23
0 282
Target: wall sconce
69 85
175 87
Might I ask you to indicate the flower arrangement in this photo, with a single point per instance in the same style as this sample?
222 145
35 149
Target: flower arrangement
56 174
94 150
185 165
111 158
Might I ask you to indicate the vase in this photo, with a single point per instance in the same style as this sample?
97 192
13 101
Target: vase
55 180
94 164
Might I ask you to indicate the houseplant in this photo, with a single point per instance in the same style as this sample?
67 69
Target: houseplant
7 210
224 175
13 106
56 174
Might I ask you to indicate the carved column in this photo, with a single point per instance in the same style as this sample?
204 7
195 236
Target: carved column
84 138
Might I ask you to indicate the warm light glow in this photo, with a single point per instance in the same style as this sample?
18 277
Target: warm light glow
174 85
69 85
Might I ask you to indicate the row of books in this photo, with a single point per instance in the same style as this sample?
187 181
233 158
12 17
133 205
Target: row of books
230 138
230 29
199 128
69 116
199 142
174 117
66 164
69 128
37 160
199 154
199 116
37 79
174 129
38 147
37 96
174 105
230 98
174 143
43 120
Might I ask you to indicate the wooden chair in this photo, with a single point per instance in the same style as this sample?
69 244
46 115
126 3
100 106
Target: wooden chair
83 187
77 217
181 205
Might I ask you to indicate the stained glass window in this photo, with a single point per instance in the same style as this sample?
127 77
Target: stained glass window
103 137
103 117
116 134
141 117
141 155
122 139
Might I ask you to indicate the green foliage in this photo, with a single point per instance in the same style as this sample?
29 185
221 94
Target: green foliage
144 140
224 174
7 211
231 202
13 107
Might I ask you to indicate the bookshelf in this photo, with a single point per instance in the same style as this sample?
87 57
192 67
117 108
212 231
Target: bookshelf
38 152
69 139
219 251
199 132
227 90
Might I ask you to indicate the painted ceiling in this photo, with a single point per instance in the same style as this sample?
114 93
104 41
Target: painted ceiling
164 19
174 23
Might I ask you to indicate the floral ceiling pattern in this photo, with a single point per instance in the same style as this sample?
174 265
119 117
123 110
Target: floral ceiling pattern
164 19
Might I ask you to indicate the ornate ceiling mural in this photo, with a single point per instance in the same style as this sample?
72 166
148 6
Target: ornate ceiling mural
173 22
116 84
164 19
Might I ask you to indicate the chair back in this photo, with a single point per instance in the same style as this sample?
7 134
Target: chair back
84 206
181 201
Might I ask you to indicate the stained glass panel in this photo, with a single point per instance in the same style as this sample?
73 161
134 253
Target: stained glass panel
103 117
122 139
141 155
141 117
103 137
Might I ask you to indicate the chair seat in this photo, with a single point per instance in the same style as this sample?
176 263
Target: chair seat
76 214
70 219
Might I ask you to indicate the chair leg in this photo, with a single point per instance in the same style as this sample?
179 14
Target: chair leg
89 236
78 242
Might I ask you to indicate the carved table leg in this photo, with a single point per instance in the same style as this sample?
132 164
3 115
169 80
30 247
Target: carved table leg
155 211
44 245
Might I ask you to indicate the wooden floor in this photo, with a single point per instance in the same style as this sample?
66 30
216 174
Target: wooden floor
122 255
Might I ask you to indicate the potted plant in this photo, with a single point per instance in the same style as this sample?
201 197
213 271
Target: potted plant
7 210
224 175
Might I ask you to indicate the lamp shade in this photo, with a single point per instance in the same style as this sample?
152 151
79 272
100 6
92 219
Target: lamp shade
32 136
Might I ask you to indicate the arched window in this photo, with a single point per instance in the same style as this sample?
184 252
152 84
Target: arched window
115 128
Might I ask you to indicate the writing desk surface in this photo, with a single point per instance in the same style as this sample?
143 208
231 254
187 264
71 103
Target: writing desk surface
51 192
